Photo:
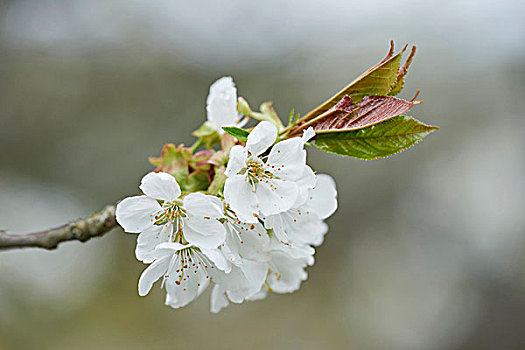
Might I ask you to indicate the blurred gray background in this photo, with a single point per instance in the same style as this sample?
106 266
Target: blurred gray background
426 250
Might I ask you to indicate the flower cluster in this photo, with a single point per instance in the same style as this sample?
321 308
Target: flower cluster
244 218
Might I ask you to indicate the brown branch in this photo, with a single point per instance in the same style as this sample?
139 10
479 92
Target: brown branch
82 229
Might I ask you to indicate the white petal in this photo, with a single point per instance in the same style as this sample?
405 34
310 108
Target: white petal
204 234
261 294
287 159
221 104
305 183
230 247
148 240
170 247
316 232
160 186
218 203
237 296
133 213
323 197
261 137
234 283
236 161
152 274
303 226
179 295
243 281
202 205
278 224
250 241
218 299
308 134
218 258
184 286
286 273
255 273
276 196
201 225
241 197
293 249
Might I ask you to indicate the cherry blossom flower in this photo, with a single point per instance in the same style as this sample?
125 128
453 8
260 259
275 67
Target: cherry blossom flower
184 269
244 240
247 250
267 185
244 281
281 273
161 215
304 223
221 105
286 273
285 261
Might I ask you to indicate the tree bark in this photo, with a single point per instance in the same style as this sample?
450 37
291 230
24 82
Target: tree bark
82 229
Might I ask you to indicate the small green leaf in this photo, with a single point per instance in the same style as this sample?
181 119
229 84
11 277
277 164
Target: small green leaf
377 141
238 133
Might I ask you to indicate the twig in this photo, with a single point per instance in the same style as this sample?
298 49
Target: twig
82 229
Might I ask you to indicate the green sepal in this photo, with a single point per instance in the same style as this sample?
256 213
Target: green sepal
196 181
266 112
173 160
269 113
217 185
190 170
243 107
207 134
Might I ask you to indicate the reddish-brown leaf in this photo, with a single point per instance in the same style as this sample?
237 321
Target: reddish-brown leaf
369 111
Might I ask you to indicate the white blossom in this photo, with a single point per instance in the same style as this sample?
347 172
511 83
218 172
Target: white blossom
286 273
160 215
247 250
267 185
221 105
304 223
243 282
185 273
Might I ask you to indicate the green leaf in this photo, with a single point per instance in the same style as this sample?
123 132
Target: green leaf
377 141
238 133
378 80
